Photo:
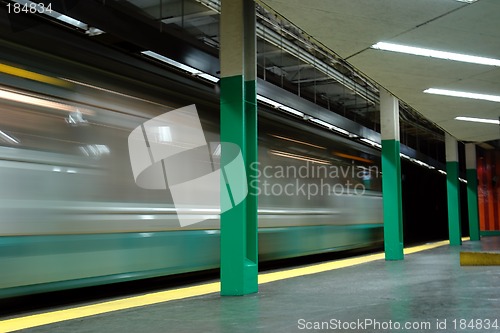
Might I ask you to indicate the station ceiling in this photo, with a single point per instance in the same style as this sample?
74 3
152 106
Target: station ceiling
288 57
322 50
350 28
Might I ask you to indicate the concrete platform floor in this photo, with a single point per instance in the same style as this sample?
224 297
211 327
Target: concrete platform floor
427 292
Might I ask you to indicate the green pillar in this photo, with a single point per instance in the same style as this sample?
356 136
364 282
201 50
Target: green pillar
239 126
473 207
391 177
453 187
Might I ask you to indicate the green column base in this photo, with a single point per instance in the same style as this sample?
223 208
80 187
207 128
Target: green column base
248 284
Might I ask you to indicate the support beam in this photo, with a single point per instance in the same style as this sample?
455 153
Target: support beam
238 105
391 177
453 187
472 203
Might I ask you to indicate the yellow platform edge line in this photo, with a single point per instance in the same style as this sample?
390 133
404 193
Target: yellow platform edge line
19 323
14 324
480 258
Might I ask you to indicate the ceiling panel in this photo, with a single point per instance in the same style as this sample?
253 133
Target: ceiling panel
367 20
349 28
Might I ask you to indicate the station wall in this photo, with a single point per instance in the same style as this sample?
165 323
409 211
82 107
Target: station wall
488 171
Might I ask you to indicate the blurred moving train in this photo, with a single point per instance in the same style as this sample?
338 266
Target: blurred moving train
71 214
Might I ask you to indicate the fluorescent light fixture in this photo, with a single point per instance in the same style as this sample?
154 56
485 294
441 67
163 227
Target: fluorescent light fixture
171 62
183 67
268 101
209 77
303 115
370 142
279 106
442 172
61 17
341 130
462 180
479 120
405 156
69 20
92 31
330 126
419 162
464 94
321 122
436 54
291 110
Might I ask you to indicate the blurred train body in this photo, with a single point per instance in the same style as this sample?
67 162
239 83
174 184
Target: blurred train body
71 214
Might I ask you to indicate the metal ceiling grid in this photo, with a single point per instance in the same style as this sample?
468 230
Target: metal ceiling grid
289 58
